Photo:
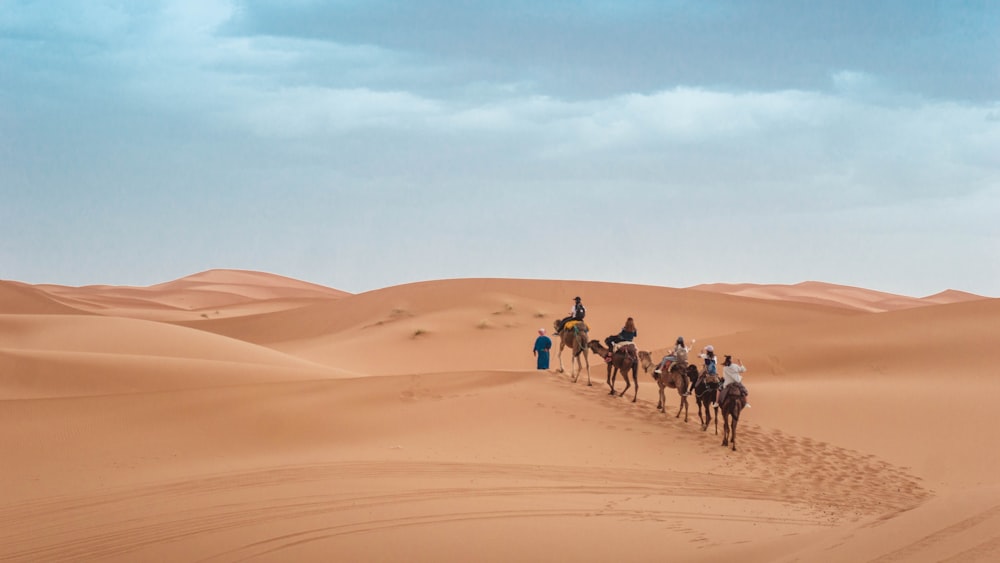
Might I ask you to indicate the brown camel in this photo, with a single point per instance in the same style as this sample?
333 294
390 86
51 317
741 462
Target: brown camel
623 360
704 394
732 405
678 377
574 338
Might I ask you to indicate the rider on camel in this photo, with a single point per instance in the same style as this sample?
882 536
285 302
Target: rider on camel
732 374
708 355
576 314
627 334
679 356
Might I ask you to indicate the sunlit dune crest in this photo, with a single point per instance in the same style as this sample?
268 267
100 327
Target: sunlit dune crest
951 296
21 298
255 285
836 295
234 415
209 294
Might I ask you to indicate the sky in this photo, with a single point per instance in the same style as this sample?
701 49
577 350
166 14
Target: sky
365 144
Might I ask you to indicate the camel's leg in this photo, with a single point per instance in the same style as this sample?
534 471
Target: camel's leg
662 405
716 421
579 365
683 407
627 367
635 381
732 439
736 420
725 428
612 373
561 346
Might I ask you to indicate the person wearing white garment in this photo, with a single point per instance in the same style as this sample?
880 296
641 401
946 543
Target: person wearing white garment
732 374
575 314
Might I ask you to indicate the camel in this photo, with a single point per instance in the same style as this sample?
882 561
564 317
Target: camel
677 378
574 338
704 394
623 360
732 405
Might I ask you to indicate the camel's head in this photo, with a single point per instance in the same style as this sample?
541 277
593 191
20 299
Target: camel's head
555 325
646 360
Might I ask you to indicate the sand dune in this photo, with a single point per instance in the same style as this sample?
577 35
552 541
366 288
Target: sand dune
837 295
41 374
958 337
407 424
129 337
19 298
204 295
951 296
59 355
259 285
489 323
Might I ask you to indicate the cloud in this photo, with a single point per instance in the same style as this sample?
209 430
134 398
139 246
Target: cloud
862 141
601 49
309 111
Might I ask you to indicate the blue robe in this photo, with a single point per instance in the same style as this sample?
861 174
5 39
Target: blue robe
542 346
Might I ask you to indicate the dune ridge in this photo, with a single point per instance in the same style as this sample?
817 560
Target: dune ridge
234 415
837 295
20 298
207 294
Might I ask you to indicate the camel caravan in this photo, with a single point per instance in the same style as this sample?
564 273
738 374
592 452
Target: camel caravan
712 392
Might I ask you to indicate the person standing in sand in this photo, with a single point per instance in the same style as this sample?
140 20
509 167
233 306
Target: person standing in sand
543 344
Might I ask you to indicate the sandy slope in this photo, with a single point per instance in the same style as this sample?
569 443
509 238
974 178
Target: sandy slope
490 323
263 435
837 295
19 298
210 294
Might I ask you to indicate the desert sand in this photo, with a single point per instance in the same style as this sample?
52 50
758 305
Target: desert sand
234 415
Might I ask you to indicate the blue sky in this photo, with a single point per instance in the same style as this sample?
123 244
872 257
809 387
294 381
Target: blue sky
363 144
